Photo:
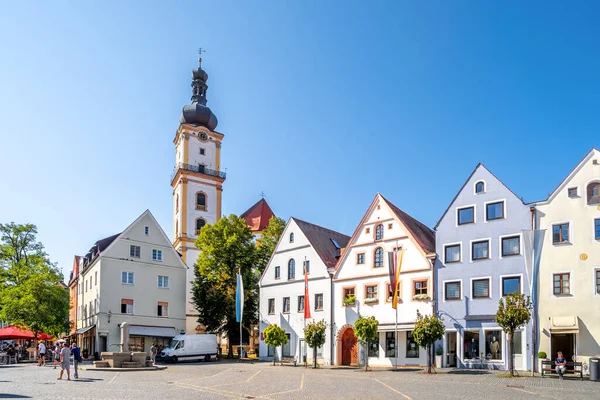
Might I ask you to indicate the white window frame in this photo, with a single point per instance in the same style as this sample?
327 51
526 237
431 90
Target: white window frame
484 187
594 240
571 235
490 285
460 251
158 281
274 306
127 280
504 210
489 240
520 235
461 208
158 254
462 294
520 276
161 316
323 306
571 287
135 245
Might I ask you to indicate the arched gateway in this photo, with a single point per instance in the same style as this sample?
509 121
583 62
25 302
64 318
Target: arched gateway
347 343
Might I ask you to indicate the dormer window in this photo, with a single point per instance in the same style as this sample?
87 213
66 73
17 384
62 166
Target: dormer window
292 237
379 232
593 193
479 187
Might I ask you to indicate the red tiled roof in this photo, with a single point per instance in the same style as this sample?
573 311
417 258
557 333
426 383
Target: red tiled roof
424 236
257 217
321 240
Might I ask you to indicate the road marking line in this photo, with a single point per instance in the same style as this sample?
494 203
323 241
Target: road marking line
212 391
115 377
252 377
527 391
204 377
393 390
265 396
302 382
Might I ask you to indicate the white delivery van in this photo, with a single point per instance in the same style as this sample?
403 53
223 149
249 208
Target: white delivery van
191 347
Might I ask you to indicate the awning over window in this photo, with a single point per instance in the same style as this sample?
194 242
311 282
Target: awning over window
154 331
84 330
564 325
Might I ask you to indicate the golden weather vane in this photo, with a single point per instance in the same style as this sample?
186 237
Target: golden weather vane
200 51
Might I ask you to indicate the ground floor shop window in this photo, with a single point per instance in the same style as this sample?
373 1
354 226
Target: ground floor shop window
412 348
161 343
136 343
390 344
493 348
374 348
270 351
471 347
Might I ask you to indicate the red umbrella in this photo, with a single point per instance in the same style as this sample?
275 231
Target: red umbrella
44 336
11 332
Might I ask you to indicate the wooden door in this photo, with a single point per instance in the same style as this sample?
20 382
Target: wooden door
349 348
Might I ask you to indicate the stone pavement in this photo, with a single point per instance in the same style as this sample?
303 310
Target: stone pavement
227 380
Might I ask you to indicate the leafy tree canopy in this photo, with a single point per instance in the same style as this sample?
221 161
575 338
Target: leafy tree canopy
30 294
365 329
275 336
314 335
265 246
428 330
226 247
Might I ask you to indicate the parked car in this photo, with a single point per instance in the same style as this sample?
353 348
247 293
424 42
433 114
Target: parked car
191 347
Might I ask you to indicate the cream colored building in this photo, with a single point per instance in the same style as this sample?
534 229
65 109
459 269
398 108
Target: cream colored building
569 272
135 277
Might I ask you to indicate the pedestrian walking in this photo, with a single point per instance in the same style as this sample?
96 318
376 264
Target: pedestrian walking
56 355
42 354
153 351
65 362
76 359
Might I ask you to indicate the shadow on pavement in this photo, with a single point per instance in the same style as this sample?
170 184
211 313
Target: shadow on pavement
13 396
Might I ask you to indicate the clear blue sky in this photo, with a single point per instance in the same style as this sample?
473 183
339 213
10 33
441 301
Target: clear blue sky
323 104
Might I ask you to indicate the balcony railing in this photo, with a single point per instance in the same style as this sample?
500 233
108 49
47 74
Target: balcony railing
200 207
198 168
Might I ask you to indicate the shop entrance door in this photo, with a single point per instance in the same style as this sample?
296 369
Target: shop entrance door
518 349
451 349
564 342
349 348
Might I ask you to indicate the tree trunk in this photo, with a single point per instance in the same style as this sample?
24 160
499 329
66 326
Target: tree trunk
315 357
274 354
428 359
511 360
366 356
230 352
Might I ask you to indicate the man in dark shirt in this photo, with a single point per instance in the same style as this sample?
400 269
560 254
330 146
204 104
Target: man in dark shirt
561 365
76 358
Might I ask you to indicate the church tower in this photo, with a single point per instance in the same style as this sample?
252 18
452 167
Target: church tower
197 180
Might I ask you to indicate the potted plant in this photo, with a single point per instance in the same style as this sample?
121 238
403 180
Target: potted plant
371 300
542 356
349 300
439 352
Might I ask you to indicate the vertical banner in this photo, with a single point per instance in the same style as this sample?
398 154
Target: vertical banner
306 297
239 298
397 275
533 241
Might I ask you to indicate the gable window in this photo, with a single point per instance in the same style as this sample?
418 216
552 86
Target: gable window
452 253
379 232
494 211
371 294
378 258
156 255
452 290
135 251
163 309
593 193
300 303
412 348
420 289
146 230
360 258
480 250
390 226
126 306
572 192
368 230
511 246
292 237
479 187
466 215
200 222
286 305
127 278
390 292
163 282
271 306
277 272
481 288
319 302
562 284
292 269
597 229
560 233
201 201
511 284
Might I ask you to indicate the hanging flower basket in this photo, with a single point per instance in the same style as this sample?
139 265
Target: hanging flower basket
421 297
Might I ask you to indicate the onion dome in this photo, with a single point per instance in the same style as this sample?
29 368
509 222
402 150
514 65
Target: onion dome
197 113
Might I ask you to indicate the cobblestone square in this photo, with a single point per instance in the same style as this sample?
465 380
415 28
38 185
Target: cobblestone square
226 380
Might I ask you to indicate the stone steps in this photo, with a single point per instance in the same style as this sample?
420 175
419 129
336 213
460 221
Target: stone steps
101 364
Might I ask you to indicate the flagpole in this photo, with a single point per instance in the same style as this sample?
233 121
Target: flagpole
396 326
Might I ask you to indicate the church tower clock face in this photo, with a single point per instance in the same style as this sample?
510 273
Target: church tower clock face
203 136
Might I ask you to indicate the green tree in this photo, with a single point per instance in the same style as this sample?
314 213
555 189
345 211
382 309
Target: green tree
366 332
275 336
30 290
226 247
514 311
265 246
428 330
314 335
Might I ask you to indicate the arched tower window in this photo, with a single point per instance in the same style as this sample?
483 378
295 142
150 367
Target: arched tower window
177 203
593 193
379 232
292 269
200 222
378 258
480 187
292 238
201 201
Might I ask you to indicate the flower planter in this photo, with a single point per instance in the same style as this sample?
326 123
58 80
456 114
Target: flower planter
438 361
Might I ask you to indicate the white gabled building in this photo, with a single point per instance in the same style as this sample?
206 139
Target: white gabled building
363 273
136 277
282 287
